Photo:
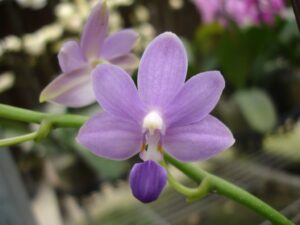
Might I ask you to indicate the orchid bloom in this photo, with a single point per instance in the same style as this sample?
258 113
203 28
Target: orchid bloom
264 10
73 87
242 12
163 114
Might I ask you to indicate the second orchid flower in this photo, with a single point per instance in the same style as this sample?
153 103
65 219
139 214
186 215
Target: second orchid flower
73 88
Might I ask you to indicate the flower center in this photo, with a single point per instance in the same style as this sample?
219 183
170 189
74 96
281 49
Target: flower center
153 125
96 61
152 122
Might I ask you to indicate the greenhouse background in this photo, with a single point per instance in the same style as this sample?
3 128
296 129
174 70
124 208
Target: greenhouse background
58 182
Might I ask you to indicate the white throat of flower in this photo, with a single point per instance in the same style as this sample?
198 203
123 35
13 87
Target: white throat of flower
96 61
153 125
152 122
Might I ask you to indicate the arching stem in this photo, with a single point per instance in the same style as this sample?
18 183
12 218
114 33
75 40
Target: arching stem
230 190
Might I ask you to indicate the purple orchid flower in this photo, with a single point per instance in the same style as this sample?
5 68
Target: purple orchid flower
264 11
165 113
242 12
73 87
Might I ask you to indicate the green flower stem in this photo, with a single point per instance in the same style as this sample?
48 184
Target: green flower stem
215 183
231 191
47 122
192 194
25 115
43 131
18 140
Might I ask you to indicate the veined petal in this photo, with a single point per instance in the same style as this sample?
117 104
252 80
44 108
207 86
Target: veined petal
116 92
72 89
196 99
147 180
162 70
70 57
118 44
95 31
128 62
198 141
111 137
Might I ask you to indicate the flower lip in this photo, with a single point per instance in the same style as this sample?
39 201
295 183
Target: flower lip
147 180
153 121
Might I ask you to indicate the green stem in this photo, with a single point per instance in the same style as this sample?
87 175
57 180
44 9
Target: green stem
25 115
231 191
192 194
18 140
215 183
43 131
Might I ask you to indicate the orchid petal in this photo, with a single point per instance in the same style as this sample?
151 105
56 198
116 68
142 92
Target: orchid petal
110 137
196 99
119 44
70 57
198 141
116 92
95 31
147 180
162 70
208 9
72 89
128 62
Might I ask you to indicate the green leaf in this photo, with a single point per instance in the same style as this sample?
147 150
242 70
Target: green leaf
239 51
257 108
234 60
207 36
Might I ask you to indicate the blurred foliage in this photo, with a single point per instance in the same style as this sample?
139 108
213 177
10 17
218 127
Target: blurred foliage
245 55
106 169
258 109
255 61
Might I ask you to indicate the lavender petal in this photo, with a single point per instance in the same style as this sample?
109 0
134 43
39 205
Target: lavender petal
198 141
70 57
162 70
128 62
119 44
116 92
95 31
72 89
110 137
196 99
147 180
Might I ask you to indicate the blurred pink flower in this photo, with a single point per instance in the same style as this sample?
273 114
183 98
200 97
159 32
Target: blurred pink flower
241 12
264 11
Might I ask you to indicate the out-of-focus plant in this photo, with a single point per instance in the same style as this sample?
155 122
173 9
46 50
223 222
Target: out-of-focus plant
248 41
33 4
241 12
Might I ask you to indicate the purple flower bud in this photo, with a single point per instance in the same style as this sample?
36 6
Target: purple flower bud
147 180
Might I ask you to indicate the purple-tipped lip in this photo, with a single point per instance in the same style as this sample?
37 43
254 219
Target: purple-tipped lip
147 180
